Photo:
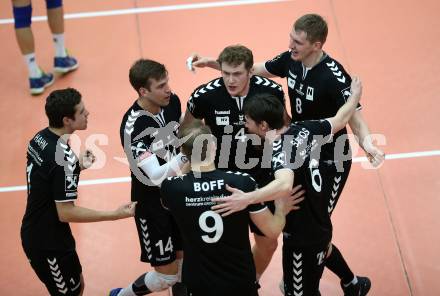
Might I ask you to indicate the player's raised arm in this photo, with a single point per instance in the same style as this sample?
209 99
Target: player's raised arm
340 120
196 60
69 212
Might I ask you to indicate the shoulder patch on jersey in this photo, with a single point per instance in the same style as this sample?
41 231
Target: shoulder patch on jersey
139 148
336 71
259 80
210 86
129 128
71 182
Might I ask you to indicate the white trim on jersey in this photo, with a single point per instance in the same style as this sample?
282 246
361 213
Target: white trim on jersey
331 129
67 200
305 71
239 101
161 118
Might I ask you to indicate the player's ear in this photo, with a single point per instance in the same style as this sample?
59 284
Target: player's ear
317 45
264 126
67 122
143 91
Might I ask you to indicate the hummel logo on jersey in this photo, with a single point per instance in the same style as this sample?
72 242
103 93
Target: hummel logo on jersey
346 93
299 90
71 182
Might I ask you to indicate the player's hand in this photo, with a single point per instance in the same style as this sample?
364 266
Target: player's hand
126 211
86 159
356 88
237 201
198 61
375 156
291 201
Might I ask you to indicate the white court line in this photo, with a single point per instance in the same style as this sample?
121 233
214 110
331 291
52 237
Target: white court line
149 9
128 179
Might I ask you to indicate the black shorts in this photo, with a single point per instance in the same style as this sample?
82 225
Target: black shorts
159 236
338 178
60 271
302 268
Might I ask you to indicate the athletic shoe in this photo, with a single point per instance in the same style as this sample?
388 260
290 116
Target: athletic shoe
65 64
115 292
39 84
361 288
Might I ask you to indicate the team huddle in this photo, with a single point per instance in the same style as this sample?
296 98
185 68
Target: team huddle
234 161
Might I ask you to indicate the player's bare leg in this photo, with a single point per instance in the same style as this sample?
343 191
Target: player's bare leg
263 250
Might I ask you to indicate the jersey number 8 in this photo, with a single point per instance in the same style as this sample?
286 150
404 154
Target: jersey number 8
217 228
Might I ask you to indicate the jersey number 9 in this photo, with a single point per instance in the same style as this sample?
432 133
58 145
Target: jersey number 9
216 229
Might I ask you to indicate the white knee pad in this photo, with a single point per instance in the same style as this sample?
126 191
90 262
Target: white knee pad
156 281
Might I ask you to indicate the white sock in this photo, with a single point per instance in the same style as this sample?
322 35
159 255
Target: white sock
58 41
354 281
127 291
34 70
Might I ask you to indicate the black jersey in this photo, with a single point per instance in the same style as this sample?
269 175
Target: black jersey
218 258
224 115
298 149
315 93
52 176
143 133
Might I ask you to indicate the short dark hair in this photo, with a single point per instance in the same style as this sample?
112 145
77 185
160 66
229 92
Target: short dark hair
141 72
61 103
314 26
235 55
265 107
195 129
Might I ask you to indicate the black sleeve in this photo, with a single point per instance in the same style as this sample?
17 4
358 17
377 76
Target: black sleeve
321 127
279 65
196 104
250 185
339 86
